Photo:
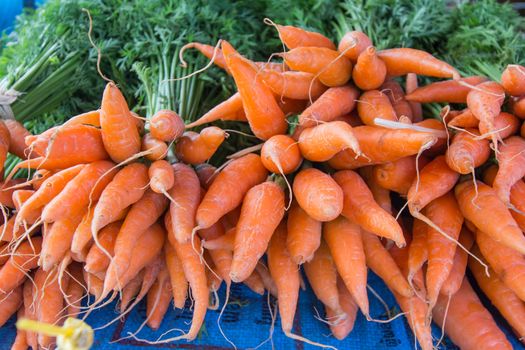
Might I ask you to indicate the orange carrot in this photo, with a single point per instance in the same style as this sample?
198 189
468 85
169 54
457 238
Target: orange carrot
295 85
456 275
264 115
304 235
341 329
252 234
9 304
20 342
352 44
451 91
17 135
411 85
4 144
208 51
396 95
370 71
155 149
484 209
375 104
130 291
332 68
89 118
511 161
505 124
161 176
96 260
206 174
294 37
318 194
179 284
468 324
418 249
30 312
399 175
119 130
401 61
360 207
280 154
517 106
75 289
466 152
196 148
512 80
158 299
166 125
20 197
231 109
228 189
226 241
255 283
344 239
22 260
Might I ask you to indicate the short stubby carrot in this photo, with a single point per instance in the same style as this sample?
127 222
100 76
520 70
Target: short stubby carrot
229 188
352 44
119 130
511 160
334 103
375 104
468 324
195 148
401 61
166 125
295 85
154 149
264 115
466 152
449 91
252 233
361 208
370 71
304 234
513 80
332 68
294 37
280 154
399 175
161 176
480 204
320 143
318 194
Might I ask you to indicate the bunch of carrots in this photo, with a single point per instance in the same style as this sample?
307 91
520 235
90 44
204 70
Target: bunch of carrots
123 208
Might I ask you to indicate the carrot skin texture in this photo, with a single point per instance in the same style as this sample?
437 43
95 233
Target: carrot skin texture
304 235
158 299
411 85
253 235
166 125
155 149
9 304
466 152
511 160
294 37
375 104
485 103
179 284
161 176
97 260
360 207
17 135
451 91
469 325
400 61
229 109
195 148
341 329
281 155
512 80
370 71
294 85
24 259
399 175
456 275
352 44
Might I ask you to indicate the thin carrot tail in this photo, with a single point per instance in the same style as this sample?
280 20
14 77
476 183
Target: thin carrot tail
307 341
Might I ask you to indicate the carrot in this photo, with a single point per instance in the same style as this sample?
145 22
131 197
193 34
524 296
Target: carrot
512 80
467 152
375 104
322 275
226 241
231 109
39 177
21 261
506 262
96 260
94 284
196 148
465 119
206 174
89 118
158 299
399 175
294 85
119 130
255 283
264 115
57 241
417 250
485 210
352 44
161 176
456 275
20 197
186 194
411 85
9 304
142 215
209 52
360 207
445 213
29 304
228 189
4 144
517 106
440 146
252 234
179 284
501 296
401 61
341 329
382 145
370 71
396 95
17 135
75 289
84 188
379 260
130 291
468 324
166 125
294 37
511 161
505 124
380 194
332 68
155 149
344 239
280 154
322 142
450 91
318 194
266 278
304 235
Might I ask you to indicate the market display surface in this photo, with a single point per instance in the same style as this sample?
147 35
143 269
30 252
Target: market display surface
337 195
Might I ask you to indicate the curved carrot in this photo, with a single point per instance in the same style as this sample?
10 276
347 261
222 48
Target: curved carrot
511 161
158 299
459 266
480 205
230 109
320 143
304 235
513 80
295 85
418 249
466 152
361 208
399 175
229 187
281 155
294 37
370 71
450 91
352 44
89 118
208 51
401 61
381 195
465 119
119 130
179 283
468 324
375 104
196 148
166 125
155 149
161 176
252 234
264 115
318 194
332 68
17 135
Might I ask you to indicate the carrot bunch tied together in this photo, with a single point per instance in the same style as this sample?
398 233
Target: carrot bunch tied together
363 179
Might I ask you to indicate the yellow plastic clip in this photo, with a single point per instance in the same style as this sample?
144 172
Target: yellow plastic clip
73 335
